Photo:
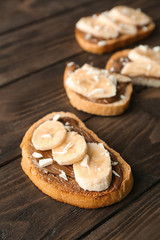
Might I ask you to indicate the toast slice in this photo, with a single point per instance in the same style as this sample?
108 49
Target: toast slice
105 107
119 59
96 43
65 189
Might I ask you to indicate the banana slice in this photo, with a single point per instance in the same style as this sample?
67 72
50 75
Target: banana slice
140 68
119 26
145 53
92 82
96 175
48 135
126 28
129 15
98 28
72 150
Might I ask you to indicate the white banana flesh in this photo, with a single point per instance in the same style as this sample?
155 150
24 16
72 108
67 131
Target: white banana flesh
48 135
97 28
72 150
92 82
121 27
145 53
138 68
129 16
96 175
145 61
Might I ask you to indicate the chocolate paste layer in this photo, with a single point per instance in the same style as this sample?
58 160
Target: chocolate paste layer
119 63
51 173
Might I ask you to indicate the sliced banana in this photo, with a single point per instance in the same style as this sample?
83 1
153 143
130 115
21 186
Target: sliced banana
92 82
129 15
72 150
140 68
145 53
119 26
98 28
126 28
48 135
96 175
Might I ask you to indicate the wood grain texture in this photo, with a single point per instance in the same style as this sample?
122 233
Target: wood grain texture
40 217
36 41
25 12
140 220
44 43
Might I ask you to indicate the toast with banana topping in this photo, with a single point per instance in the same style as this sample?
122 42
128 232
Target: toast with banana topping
114 29
97 91
69 163
141 64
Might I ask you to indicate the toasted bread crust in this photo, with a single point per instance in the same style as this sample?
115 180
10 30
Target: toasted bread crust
113 44
139 80
58 191
110 109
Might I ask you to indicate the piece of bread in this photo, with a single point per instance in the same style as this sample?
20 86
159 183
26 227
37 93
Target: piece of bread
110 30
112 44
61 190
137 80
86 105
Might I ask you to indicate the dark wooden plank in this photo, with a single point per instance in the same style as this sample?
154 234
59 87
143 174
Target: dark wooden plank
24 102
23 206
140 220
15 13
42 44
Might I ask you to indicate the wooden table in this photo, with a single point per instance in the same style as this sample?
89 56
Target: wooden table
36 41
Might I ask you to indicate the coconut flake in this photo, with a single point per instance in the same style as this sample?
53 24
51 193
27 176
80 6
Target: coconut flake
116 174
94 16
56 117
112 69
144 28
114 163
122 97
84 162
101 43
70 64
37 155
88 36
144 47
63 175
46 135
65 149
45 162
67 124
156 49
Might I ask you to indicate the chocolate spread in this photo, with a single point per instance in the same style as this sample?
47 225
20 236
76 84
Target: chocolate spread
51 173
118 64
